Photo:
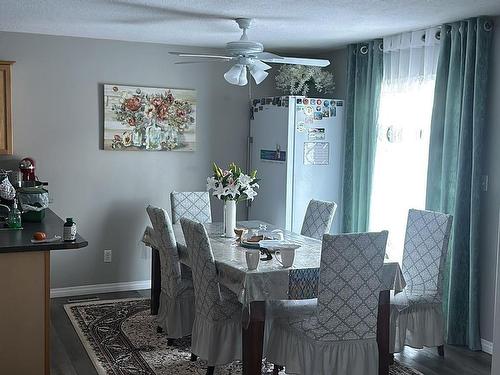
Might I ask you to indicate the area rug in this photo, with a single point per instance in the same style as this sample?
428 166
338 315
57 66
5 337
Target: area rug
120 338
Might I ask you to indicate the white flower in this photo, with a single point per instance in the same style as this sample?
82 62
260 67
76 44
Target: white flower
251 193
232 190
211 183
219 191
255 186
244 180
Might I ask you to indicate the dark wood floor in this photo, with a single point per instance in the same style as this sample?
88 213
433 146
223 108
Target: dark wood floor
70 358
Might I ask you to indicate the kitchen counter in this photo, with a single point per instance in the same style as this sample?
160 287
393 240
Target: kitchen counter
25 281
20 240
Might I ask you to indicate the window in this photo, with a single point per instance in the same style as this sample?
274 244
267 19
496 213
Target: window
400 172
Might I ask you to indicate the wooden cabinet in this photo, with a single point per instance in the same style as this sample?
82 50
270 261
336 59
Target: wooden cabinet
5 107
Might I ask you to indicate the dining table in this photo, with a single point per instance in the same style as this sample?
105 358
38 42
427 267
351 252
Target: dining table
271 281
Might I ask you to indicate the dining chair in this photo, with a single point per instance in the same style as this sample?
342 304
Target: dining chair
416 313
194 205
318 218
340 337
176 310
216 335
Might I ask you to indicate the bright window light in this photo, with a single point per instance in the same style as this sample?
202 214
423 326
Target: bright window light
400 174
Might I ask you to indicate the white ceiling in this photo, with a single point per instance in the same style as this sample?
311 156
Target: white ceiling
292 25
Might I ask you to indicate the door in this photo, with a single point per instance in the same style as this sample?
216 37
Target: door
5 108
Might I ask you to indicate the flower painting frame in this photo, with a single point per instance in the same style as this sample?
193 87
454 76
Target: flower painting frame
149 118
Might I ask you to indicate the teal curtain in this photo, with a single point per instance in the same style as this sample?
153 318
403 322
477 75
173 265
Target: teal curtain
364 80
455 162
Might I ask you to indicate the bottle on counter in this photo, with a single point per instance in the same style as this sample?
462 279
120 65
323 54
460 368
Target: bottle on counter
14 218
69 231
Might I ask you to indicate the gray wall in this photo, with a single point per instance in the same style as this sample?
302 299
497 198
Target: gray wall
491 198
57 111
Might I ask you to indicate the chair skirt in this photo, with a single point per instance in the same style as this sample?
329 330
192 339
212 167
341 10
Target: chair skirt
217 342
417 325
176 315
301 355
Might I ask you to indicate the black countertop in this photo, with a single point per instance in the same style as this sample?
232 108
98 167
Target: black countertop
20 240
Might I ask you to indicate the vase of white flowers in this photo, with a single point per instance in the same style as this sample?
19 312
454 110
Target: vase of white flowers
232 186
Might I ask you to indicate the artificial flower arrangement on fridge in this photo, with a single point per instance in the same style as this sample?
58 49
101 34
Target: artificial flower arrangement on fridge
232 186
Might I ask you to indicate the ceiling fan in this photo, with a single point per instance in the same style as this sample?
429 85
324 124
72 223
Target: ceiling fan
249 56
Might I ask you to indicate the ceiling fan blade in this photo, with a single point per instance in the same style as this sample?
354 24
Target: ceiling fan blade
210 61
299 61
201 55
267 56
260 65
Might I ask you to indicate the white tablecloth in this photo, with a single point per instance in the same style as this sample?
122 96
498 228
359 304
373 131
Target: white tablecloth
270 281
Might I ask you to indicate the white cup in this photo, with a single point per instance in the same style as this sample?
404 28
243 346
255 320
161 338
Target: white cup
287 256
253 258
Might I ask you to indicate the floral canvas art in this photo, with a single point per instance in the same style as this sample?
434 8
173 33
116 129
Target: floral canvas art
149 118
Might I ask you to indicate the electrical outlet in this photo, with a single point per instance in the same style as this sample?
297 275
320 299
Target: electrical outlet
107 256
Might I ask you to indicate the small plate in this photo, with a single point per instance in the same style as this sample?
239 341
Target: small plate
274 245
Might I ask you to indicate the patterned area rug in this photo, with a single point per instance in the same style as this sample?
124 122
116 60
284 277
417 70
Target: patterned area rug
120 338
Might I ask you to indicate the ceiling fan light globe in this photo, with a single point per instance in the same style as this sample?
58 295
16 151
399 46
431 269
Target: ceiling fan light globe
258 75
243 80
232 76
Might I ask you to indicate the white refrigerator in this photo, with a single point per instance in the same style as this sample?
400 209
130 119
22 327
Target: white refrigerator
296 146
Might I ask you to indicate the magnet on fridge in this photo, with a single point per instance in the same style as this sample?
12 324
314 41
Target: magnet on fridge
309 120
318 115
299 101
275 100
333 111
326 113
269 100
318 101
305 101
326 103
313 101
340 104
308 110
261 108
318 108
301 127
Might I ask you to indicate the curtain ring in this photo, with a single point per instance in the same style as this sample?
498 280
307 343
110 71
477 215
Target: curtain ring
381 47
488 26
422 38
438 35
363 50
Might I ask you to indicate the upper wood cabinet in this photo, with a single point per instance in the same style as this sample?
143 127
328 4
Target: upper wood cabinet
6 107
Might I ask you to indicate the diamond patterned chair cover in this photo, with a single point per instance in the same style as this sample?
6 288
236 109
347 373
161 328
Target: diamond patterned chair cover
176 310
318 218
416 313
216 335
193 205
340 336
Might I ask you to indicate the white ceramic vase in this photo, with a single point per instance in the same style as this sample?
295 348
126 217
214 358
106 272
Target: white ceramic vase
229 218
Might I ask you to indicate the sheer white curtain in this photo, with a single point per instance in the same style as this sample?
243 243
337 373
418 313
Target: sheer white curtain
400 174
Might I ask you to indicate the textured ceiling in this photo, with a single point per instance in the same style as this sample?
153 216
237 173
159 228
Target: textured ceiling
281 25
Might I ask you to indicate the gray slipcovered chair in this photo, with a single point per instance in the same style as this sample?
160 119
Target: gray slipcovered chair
216 335
340 336
176 310
416 313
193 205
318 218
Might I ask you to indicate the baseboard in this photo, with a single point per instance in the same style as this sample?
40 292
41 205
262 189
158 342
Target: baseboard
486 346
99 288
